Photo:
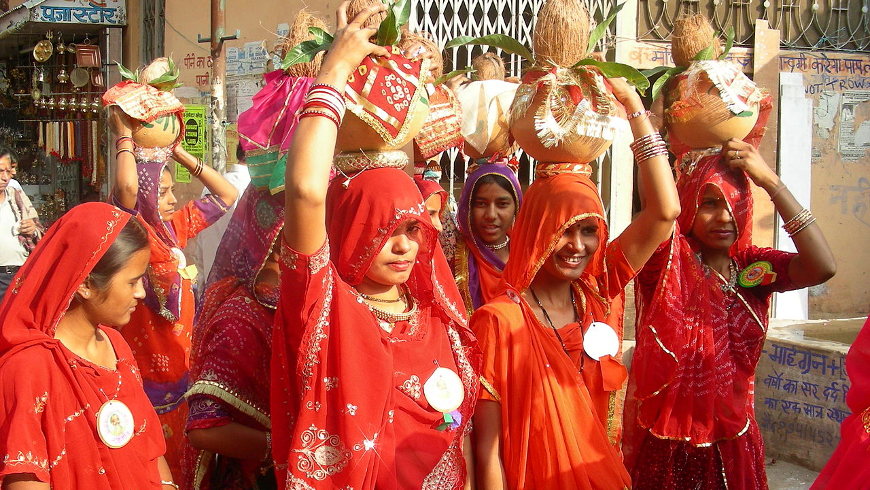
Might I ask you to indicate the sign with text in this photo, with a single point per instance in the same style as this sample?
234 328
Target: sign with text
195 139
104 12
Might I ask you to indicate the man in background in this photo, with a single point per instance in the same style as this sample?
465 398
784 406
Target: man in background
19 223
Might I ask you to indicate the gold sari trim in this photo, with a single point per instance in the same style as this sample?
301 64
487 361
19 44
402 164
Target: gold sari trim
211 388
490 388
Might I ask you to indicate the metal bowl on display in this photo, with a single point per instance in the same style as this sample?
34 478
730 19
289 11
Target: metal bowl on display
79 77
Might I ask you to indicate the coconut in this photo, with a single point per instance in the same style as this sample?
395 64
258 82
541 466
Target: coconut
162 132
299 33
357 6
561 33
436 63
693 34
488 66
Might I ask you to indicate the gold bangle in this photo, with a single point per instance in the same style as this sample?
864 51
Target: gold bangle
170 483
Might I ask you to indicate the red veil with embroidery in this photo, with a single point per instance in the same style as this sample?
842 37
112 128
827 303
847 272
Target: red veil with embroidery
347 406
690 391
49 396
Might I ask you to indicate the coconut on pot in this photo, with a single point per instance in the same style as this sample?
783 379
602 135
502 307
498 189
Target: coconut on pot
564 112
485 103
146 98
711 100
387 103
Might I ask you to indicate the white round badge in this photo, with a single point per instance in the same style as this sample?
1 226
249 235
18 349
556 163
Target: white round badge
600 340
179 256
115 424
444 390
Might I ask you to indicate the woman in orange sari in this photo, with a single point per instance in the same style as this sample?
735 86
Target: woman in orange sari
549 375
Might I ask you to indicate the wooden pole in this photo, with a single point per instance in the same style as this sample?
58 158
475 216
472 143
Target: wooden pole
218 83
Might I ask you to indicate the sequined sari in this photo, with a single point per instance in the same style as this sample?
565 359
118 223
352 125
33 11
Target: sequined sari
690 421
348 401
478 269
232 342
159 333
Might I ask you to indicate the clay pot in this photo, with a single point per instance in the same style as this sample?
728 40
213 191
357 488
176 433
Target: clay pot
576 148
162 132
355 134
703 127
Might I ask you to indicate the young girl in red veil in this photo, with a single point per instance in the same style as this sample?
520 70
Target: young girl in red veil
373 367
73 413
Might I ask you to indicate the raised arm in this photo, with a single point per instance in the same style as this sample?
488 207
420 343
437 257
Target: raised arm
310 155
126 185
814 263
655 222
210 178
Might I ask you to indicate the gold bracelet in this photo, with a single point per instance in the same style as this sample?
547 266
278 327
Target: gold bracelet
170 483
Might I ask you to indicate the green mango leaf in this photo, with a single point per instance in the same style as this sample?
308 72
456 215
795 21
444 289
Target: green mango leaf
127 74
729 42
303 53
388 32
455 73
659 84
601 28
613 70
704 54
402 8
505 43
320 35
651 72
746 114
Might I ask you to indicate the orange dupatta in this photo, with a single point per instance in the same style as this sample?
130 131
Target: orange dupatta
552 430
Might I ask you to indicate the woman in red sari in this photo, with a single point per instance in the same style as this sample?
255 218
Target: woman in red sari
73 413
435 199
228 424
161 328
848 466
546 418
703 302
373 367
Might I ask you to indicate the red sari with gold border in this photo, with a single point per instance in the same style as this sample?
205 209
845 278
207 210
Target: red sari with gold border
49 397
347 401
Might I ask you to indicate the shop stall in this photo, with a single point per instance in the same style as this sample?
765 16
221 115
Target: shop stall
54 61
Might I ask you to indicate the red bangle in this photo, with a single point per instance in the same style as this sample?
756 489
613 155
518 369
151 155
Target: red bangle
318 112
